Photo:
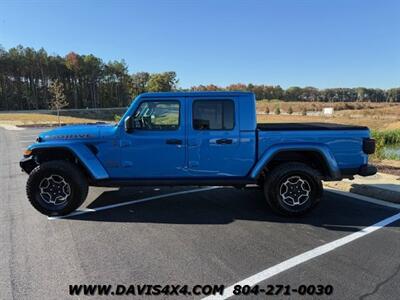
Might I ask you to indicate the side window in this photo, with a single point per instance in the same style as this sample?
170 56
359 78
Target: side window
213 115
157 115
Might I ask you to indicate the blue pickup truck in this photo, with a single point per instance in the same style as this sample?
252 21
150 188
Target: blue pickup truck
195 138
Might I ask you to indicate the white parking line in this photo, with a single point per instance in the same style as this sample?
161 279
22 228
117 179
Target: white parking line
306 256
285 265
91 210
363 198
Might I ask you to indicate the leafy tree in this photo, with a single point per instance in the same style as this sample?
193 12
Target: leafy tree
361 94
162 82
393 95
293 93
237 87
138 83
213 87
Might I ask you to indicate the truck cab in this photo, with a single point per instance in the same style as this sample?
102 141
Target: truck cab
201 136
194 138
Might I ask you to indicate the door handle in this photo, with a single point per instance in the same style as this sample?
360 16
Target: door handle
173 142
224 141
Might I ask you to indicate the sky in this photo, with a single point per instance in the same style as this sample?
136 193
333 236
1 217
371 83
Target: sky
320 43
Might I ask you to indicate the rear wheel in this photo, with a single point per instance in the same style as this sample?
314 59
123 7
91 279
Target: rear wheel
293 189
56 188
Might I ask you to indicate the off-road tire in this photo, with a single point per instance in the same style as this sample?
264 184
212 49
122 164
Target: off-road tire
276 183
78 187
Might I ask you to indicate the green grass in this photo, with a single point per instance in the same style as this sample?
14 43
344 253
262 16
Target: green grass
383 139
389 137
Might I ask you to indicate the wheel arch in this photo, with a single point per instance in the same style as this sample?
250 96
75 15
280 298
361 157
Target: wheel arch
317 156
80 155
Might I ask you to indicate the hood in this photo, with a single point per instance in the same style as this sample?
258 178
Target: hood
77 132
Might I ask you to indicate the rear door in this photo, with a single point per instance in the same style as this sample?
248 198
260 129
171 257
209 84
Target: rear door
213 137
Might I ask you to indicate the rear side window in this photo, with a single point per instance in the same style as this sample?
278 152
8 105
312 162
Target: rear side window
157 115
213 115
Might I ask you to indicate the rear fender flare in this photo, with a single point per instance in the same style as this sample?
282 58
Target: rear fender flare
323 150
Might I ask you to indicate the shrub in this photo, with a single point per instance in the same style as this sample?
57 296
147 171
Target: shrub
349 106
379 146
314 107
267 110
290 110
304 111
117 118
277 110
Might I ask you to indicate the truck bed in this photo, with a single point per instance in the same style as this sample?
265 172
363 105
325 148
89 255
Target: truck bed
307 126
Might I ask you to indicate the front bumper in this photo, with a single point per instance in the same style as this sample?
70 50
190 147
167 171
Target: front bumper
367 170
27 164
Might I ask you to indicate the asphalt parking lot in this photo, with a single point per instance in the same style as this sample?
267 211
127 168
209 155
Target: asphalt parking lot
194 236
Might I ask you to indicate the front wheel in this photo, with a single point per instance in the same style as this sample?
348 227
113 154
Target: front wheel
56 188
293 189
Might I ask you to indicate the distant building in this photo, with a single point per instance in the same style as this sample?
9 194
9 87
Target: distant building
328 111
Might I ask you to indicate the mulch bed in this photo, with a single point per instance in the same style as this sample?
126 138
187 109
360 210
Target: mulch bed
388 169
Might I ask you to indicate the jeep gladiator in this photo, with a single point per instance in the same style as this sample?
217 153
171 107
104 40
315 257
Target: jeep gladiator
195 138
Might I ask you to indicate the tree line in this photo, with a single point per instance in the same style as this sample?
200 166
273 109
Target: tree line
310 94
26 76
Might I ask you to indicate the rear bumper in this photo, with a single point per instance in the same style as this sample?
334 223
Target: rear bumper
367 170
364 170
27 164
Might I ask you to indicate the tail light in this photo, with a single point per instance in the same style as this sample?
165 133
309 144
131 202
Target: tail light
368 146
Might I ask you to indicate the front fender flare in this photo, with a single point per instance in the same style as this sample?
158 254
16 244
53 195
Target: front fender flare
312 147
80 151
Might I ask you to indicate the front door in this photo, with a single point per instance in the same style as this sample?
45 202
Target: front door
156 148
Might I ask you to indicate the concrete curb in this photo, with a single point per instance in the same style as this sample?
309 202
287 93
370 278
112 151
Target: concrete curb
366 190
10 127
54 125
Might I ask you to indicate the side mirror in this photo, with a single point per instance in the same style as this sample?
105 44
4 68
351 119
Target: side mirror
128 124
